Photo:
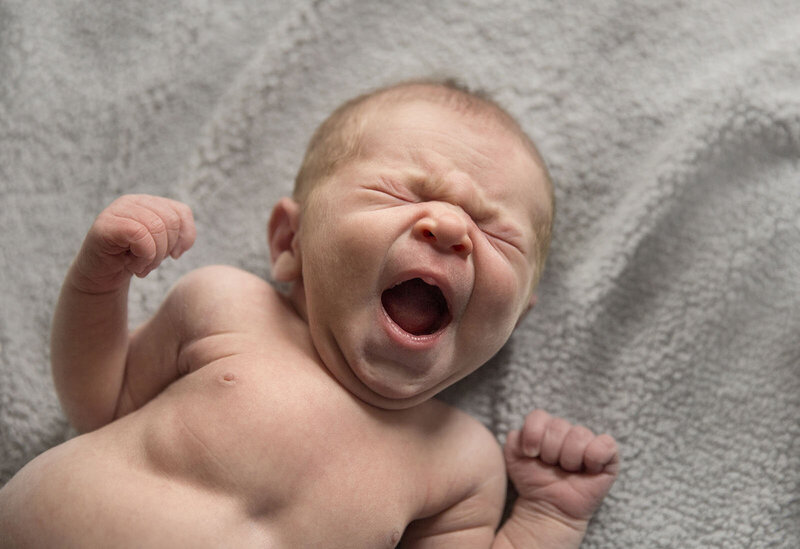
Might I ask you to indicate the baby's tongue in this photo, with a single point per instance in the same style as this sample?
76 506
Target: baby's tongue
415 306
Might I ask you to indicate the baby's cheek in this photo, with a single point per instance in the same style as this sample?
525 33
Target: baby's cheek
504 282
497 306
506 291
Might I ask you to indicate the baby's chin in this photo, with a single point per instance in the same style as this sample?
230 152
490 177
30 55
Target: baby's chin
389 391
387 370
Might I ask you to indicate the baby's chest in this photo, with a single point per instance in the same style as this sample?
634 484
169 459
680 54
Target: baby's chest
292 446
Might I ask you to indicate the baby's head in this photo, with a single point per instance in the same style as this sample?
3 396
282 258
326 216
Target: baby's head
339 138
415 238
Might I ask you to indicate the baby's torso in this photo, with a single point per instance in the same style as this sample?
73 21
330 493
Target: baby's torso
259 446
301 458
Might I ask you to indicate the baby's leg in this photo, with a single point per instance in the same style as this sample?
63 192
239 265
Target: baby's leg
562 472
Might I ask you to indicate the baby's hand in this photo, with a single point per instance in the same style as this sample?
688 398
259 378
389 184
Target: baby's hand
559 468
132 236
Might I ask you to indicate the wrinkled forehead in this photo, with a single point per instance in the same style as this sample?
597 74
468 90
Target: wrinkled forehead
439 140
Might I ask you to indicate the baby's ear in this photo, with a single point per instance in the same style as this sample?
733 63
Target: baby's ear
284 248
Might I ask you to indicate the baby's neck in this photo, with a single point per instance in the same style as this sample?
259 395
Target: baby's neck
296 295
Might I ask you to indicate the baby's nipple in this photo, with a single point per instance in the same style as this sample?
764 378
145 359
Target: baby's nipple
228 379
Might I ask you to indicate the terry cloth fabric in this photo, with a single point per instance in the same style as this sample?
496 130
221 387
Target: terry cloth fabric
669 313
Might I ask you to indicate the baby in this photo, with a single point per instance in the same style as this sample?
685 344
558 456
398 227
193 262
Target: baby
240 416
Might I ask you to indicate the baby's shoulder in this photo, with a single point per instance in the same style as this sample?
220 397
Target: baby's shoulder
225 296
220 279
465 467
462 437
222 282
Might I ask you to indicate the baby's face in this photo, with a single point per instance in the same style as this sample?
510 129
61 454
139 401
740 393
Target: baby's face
418 257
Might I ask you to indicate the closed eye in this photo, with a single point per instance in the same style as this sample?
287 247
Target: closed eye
387 197
505 240
395 189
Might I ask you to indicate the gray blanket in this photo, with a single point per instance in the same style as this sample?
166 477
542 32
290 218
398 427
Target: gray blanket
669 314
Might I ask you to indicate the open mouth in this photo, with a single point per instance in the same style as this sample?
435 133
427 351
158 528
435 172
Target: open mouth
417 307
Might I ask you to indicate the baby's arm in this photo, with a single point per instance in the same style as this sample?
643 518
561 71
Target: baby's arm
90 343
562 473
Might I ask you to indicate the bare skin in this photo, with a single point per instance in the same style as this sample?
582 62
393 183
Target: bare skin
256 446
219 422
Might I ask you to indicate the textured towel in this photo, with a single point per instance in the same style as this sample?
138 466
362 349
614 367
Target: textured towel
669 314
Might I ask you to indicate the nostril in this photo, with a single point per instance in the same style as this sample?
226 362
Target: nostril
451 235
464 247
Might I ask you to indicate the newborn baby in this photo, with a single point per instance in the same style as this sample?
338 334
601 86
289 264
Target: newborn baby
242 416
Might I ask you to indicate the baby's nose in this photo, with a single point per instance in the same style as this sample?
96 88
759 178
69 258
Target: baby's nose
445 231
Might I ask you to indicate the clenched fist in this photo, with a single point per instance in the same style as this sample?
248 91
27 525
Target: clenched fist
132 236
561 468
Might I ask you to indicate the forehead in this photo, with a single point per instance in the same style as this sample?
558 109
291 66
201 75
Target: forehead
438 146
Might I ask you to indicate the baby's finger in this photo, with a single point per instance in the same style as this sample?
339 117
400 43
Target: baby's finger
132 236
152 229
553 440
533 432
574 448
188 231
512 448
601 455
163 221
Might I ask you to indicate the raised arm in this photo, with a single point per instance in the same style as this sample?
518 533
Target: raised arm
90 341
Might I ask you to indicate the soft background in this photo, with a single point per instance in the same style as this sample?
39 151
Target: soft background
670 311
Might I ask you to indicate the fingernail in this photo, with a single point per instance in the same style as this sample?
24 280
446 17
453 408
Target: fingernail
530 451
